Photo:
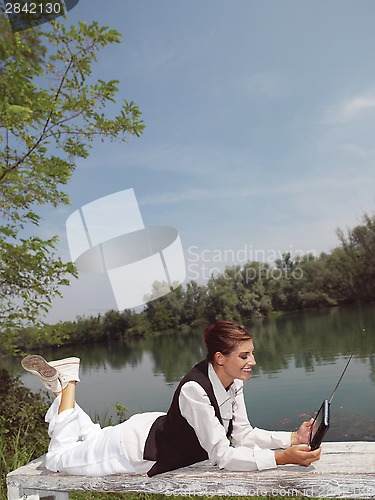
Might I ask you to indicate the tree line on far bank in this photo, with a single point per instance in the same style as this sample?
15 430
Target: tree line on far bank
240 293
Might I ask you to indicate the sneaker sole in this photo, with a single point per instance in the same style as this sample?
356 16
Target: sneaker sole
38 366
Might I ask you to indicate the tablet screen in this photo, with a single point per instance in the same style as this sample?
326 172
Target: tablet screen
320 426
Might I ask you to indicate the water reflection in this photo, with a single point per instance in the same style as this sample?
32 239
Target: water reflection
174 359
314 338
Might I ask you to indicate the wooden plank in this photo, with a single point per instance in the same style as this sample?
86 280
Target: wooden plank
346 470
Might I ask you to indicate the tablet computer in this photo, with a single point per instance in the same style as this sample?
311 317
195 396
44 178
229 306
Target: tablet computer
320 425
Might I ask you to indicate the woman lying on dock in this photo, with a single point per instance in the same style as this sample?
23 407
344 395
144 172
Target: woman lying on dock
207 419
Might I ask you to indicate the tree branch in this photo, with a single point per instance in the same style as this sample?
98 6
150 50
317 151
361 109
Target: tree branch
41 137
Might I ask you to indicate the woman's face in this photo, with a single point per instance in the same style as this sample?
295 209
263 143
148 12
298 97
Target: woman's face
238 364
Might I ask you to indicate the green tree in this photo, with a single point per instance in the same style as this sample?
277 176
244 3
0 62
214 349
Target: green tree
313 291
51 111
336 277
194 305
257 278
113 325
359 248
222 296
164 312
286 283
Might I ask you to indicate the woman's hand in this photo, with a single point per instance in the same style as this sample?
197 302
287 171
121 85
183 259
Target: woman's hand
302 436
298 455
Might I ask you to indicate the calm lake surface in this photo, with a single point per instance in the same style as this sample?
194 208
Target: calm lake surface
300 357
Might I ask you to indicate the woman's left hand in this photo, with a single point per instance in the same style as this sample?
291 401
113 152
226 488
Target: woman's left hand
302 435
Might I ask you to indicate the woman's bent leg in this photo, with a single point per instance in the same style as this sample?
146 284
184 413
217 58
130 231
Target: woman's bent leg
67 428
99 455
78 446
68 397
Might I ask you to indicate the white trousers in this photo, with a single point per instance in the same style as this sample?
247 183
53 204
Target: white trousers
80 447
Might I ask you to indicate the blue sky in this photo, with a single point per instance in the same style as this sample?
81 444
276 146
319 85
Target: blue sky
260 119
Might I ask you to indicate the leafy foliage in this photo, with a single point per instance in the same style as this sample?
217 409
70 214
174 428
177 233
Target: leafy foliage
22 427
21 414
51 111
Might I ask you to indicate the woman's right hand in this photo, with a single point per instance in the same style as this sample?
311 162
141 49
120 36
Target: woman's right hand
297 454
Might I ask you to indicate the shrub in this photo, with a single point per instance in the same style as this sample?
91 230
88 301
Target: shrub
23 431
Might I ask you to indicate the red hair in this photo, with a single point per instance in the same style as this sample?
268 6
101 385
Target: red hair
224 337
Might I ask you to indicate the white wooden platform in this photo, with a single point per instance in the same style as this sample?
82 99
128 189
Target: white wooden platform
345 470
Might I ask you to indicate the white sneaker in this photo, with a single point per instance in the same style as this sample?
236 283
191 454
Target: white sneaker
67 370
38 366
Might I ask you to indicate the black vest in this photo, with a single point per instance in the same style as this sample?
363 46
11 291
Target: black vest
172 442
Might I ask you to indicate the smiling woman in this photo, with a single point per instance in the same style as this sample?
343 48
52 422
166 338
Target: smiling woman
207 419
230 350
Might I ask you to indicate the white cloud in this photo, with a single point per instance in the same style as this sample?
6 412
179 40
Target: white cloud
303 189
347 129
355 150
351 108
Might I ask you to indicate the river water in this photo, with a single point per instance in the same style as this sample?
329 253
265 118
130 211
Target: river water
300 357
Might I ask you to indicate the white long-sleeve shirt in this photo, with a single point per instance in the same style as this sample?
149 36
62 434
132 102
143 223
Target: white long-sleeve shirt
251 447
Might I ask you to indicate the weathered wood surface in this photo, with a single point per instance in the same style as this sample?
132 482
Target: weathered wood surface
346 470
